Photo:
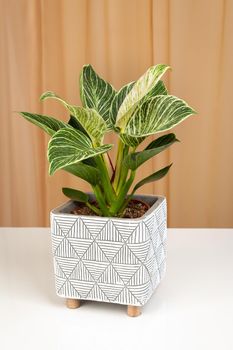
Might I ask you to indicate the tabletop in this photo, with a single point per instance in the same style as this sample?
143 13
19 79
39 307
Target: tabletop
191 309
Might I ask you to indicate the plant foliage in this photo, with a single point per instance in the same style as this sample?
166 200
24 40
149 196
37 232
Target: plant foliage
139 109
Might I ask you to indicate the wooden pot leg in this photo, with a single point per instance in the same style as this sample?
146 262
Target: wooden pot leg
133 311
72 303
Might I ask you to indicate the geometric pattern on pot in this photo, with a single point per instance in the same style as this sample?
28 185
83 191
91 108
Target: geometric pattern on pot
107 259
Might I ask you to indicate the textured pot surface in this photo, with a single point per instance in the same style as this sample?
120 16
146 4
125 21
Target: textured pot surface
109 259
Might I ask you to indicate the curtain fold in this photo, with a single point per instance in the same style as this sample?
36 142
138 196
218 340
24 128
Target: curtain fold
44 45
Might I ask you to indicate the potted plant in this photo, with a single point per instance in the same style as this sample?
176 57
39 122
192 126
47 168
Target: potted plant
108 245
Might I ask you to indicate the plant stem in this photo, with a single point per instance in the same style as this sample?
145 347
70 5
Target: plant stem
107 186
123 177
118 162
108 164
102 204
120 171
94 209
117 205
121 210
124 169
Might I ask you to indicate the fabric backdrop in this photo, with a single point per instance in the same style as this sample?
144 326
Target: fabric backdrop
45 43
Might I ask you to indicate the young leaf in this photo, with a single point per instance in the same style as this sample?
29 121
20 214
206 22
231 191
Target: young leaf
141 88
118 99
48 124
93 124
76 195
85 172
159 89
70 146
158 114
134 160
154 177
96 93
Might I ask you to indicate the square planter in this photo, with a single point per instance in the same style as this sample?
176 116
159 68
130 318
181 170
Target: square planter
109 259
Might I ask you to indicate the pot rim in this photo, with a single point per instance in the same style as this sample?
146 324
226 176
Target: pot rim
158 201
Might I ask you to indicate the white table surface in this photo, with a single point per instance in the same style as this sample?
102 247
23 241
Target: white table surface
191 309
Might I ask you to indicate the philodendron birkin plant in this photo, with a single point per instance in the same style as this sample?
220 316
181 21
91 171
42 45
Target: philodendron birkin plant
138 110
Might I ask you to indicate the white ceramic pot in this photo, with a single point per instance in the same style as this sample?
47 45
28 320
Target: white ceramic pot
109 259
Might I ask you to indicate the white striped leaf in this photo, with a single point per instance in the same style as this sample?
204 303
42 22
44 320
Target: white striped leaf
48 124
160 113
76 125
70 146
116 103
134 160
90 120
153 177
130 140
141 88
51 94
118 99
96 93
159 89
85 172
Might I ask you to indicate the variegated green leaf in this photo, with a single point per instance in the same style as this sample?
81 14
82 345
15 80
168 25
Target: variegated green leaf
51 94
141 88
130 140
158 114
90 120
159 89
70 146
48 124
96 93
76 125
153 177
134 160
76 195
118 99
85 172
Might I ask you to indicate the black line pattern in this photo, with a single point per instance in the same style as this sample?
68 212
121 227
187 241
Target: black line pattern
111 260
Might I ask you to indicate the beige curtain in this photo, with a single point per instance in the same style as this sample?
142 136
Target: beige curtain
43 46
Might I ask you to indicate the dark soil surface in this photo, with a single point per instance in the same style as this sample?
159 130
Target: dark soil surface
135 209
